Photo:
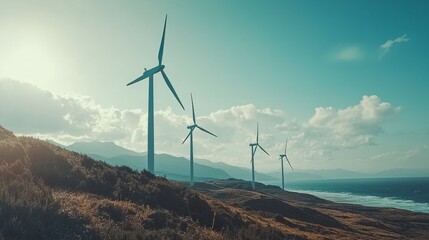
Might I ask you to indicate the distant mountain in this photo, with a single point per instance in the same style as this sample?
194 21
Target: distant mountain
55 143
105 149
237 172
337 173
300 175
178 167
166 165
402 172
171 166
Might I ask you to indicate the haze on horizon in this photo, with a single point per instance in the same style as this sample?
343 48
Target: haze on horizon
346 82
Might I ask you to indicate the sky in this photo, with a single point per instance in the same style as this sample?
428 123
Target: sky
346 82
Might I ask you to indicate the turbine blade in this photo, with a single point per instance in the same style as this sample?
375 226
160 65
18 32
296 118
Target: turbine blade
254 151
202 129
286 146
193 111
289 163
263 149
171 88
189 134
257 132
138 79
161 48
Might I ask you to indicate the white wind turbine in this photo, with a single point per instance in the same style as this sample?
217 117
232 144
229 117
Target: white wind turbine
282 156
255 146
191 131
150 127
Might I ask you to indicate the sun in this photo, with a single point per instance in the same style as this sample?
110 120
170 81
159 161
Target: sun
29 56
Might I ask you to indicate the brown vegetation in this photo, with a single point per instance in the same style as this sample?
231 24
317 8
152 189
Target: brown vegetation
309 217
47 192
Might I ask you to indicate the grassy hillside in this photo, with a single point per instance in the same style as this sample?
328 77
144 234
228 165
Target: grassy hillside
47 192
313 218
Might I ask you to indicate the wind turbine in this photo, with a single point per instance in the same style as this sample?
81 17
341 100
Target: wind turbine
149 74
255 146
191 130
282 156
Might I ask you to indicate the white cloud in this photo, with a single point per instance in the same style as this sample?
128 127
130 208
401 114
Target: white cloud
385 47
415 157
67 119
353 125
349 54
384 155
417 153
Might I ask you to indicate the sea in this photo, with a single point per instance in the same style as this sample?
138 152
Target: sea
403 193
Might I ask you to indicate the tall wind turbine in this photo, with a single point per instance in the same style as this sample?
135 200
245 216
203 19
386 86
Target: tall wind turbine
149 74
255 146
282 156
191 130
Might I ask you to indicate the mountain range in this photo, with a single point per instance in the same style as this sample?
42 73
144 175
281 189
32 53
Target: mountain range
177 168
172 167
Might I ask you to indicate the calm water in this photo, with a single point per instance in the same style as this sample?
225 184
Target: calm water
404 193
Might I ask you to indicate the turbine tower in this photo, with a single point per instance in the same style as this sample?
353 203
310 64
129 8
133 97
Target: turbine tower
149 74
191 130
282 156
253 147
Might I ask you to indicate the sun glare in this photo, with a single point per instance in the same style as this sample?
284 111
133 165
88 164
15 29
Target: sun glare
29 58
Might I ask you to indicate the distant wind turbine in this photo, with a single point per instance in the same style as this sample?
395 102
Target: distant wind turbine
149 73
282 156
191 130
255 146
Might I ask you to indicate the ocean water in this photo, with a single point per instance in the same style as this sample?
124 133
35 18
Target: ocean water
403 193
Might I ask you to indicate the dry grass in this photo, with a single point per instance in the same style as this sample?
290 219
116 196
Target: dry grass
47 192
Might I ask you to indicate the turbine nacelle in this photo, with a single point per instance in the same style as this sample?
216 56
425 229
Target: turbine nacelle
154 70
191 126
148 73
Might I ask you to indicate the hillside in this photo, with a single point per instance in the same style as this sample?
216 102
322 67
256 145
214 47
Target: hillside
51 193
47 192
317 218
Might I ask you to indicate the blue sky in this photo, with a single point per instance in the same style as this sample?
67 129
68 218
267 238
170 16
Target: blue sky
269 61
